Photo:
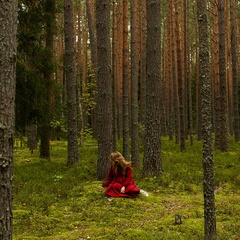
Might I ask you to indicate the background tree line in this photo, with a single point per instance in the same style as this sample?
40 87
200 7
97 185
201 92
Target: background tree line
42 78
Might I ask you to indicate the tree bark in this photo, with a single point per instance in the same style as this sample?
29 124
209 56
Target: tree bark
143 9
44 128
8 51
223 119
125 86
234 69
152 161
180 81
174 75
207 160
73 152
90 6
104 83
134 81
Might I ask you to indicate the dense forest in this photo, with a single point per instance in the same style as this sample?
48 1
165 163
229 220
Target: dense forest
128 71
136 73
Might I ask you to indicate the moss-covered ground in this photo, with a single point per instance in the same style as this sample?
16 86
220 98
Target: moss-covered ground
54 202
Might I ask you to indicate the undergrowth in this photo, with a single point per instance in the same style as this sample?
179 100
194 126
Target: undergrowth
54 202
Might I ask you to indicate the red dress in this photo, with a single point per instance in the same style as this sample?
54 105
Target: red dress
115 181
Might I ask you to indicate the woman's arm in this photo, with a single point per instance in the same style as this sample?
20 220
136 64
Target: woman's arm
128 176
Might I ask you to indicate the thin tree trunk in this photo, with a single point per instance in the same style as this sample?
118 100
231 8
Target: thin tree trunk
207 161
143 9
169 53
215 72
119 69
198 88
81 70
114 75
223 119
134 81
45 128
125 87
92 34
229 86
174 76
90 6
73 152
234 69
180 82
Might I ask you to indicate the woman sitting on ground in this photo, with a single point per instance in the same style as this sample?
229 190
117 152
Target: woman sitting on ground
119 181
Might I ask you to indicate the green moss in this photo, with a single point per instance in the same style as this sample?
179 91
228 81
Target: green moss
53 202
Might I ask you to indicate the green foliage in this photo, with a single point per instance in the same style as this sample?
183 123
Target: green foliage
53 202
34 63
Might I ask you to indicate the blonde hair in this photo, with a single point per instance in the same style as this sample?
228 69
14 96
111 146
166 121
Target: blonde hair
119 162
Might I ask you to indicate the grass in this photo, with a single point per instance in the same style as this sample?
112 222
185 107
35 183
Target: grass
53 202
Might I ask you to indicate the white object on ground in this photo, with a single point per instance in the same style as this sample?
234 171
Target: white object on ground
144 192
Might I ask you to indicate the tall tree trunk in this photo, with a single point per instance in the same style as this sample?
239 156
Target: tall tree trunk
85 87
223 119
234 69
90 6
185 68
44 128
134 80
8 50
119 68
180 81
174 75
170 68
229 86
143 9
198 89
125 86
73 152
114 75
81 68
190 103
152 161
92 34
215 72
207 161
104 83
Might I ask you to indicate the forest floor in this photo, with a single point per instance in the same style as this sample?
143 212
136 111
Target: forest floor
54 202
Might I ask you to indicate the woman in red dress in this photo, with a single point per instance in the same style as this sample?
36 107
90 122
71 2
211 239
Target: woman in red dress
119 181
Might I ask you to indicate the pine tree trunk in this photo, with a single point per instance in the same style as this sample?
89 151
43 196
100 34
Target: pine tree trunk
90 6
169 68
44 128
207 161
234 69
174 76
134 81
215 72
143 9
8 48
119 69
125 88
73 152
223 119
104 83
180 81
152 161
